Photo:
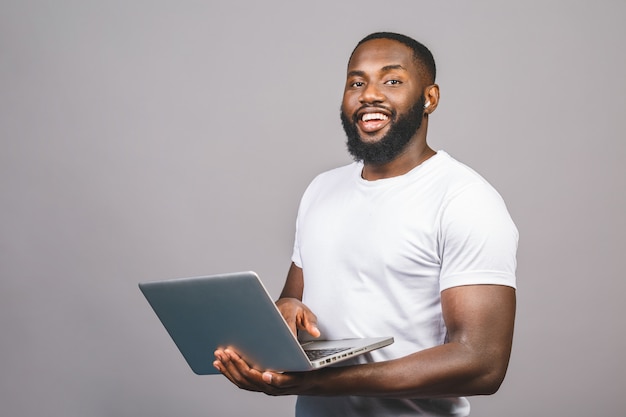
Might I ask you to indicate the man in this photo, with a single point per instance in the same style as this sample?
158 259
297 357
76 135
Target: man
405 242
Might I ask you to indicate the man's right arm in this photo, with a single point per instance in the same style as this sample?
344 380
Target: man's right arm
294 284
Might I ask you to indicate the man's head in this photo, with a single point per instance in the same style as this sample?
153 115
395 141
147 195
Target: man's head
390 79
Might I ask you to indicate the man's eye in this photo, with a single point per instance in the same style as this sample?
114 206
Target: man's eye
357 84
393 82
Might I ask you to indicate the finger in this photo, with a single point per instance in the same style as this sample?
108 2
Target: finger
313 329
224 364
233 367
220 359
309 323
282 383
236 366
245 376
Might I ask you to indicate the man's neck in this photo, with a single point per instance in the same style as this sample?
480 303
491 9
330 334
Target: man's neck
415 153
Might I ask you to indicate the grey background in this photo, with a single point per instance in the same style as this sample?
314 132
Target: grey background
148 140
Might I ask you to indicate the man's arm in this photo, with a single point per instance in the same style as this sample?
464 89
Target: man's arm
480 324
479 318
294 284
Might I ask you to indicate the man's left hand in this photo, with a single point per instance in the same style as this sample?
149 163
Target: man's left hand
233 367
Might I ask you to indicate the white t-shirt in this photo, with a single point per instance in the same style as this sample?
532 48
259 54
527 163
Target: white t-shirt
376 255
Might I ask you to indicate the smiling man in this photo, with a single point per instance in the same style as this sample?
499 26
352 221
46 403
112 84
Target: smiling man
405 242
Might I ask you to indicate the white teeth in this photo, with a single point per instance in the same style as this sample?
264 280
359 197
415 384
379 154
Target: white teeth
373 116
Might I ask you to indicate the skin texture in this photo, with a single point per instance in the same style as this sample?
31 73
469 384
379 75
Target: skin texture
382 77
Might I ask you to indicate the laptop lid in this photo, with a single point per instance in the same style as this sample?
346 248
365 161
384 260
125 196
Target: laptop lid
235 310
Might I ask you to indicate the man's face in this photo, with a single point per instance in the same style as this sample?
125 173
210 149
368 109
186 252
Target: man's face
383 101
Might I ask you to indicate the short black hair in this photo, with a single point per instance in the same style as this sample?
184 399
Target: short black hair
421 53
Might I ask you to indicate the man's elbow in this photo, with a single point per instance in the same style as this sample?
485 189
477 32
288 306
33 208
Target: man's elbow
491 386
489 383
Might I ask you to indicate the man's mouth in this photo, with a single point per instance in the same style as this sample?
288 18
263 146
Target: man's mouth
372 122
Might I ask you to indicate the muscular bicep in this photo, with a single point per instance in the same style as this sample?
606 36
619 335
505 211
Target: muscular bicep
294 284
480 318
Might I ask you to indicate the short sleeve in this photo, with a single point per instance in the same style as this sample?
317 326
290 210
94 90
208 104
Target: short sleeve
478 239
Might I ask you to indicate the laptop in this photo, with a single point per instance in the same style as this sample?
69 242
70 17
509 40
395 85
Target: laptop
235 310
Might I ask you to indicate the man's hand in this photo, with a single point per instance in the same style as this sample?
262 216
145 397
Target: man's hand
243 376
298 316
234 367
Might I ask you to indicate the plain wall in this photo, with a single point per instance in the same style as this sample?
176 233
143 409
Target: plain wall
145 140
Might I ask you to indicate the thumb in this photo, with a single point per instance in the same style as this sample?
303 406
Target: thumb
310 325
267 377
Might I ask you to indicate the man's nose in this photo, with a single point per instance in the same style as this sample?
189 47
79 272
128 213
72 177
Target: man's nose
371 94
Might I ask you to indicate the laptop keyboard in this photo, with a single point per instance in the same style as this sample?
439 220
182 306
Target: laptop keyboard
315 354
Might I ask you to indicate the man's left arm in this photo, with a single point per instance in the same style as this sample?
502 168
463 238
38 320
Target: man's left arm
480 321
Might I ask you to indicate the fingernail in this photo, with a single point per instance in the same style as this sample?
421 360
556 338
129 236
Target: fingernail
267 377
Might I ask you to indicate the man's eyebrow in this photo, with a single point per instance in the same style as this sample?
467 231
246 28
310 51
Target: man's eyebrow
386 68
356 73
393 67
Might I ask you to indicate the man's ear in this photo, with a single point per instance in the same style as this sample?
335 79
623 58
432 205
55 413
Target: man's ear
431 93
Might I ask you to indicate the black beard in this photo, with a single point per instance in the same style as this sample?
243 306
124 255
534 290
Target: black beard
390 146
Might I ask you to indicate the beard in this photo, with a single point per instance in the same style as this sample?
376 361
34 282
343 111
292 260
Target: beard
390 146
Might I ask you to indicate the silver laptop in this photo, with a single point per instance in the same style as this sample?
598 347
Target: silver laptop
235 310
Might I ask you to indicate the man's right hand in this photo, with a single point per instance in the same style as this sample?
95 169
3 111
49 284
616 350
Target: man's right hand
298 316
